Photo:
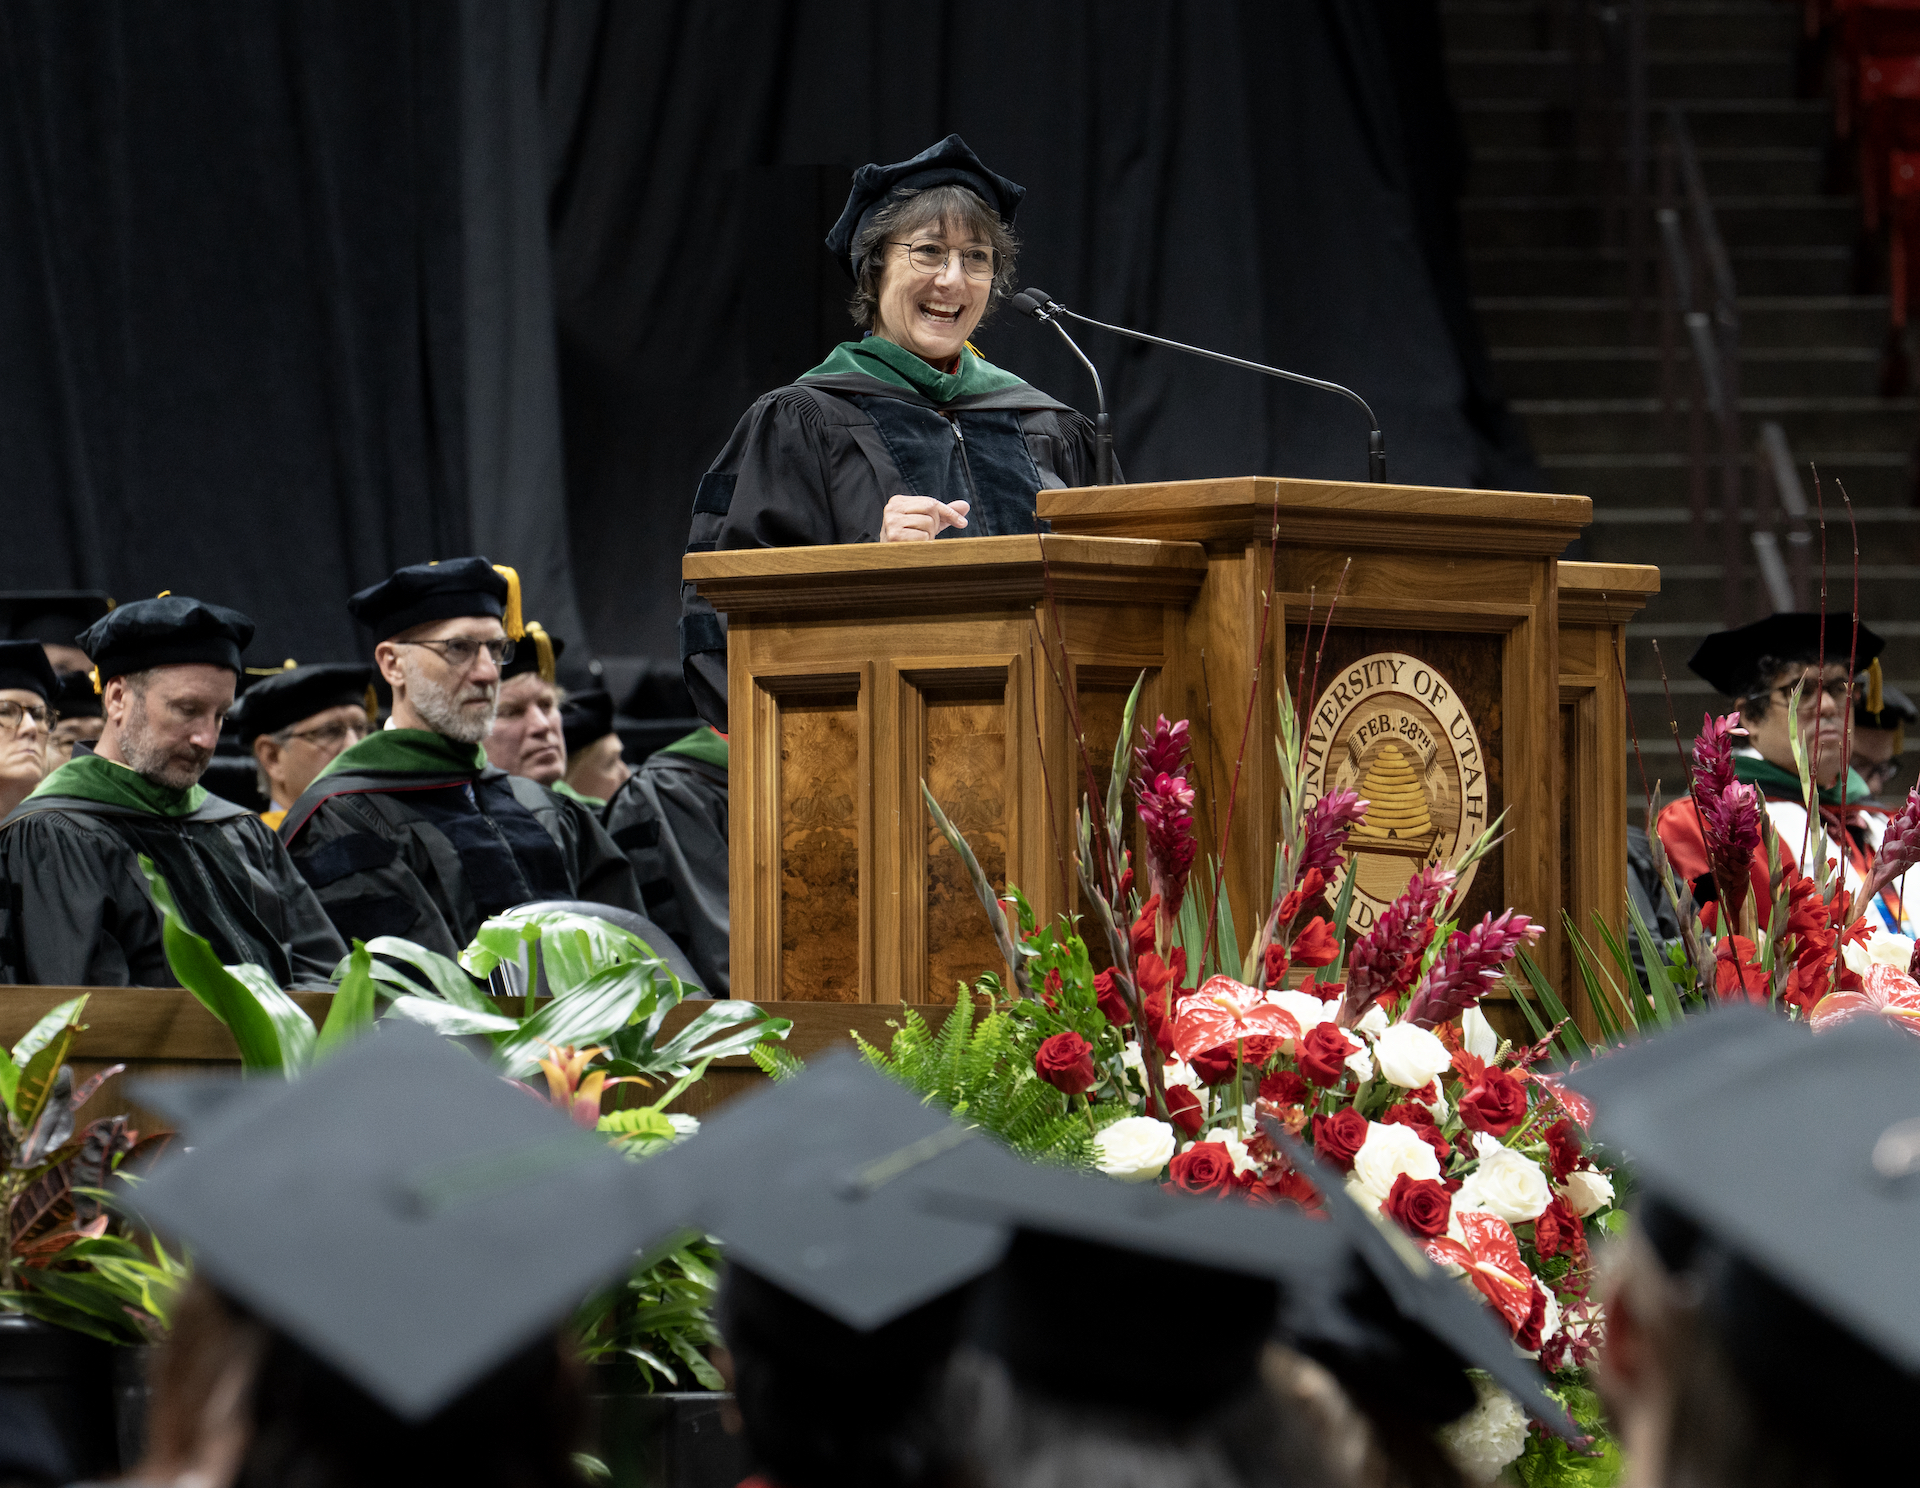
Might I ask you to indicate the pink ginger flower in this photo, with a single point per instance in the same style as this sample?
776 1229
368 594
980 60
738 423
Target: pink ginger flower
1166 811
1471 963
1729 811
1329 819
1386 959
1165 752
1899 851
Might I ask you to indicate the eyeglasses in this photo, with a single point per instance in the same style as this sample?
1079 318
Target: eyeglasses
330 735
932 258
460 653
11 713
1878 775
1839 689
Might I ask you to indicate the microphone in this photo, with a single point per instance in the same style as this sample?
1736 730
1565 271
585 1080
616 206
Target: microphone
1026 303
1042 307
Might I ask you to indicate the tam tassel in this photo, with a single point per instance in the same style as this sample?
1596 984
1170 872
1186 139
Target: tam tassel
372 701
516 627
543 648
93 674
1876 687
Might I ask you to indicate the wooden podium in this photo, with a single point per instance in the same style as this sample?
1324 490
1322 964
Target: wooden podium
1436 689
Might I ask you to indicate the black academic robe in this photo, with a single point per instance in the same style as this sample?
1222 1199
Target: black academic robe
815 463
78 912
429 856
670 819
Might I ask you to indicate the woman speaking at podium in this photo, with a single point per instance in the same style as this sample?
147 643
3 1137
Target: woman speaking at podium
907 434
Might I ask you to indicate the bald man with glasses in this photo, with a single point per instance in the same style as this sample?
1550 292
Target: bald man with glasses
412 832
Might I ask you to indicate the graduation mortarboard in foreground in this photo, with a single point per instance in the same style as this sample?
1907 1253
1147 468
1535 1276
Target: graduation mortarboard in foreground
1730 659
1782 1169
586 718
282 699
53 617
24 667
538 652
402 1213
453 589
75 698
796 1182
949 163
171 630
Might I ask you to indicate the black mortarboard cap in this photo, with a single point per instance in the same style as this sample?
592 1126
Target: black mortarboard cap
281 699
1896 708
24 664
452 589
949 163
75 697
1797 1153
402 1213
536 652
586 718
795 1183
172 630
53 617
1730 659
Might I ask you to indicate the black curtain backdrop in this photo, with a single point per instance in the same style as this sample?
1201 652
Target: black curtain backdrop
295 292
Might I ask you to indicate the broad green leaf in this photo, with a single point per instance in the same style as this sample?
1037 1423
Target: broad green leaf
1343 906
41 1034
1573 1043
454 1022
443 975
352 1012
587 1015
220 992
290 1020
749 1026
641 1121
37 1079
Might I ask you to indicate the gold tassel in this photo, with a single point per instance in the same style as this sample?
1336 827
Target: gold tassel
1876 687
373 706
286 666
515 628
163 594
1899 739
94 673
543 648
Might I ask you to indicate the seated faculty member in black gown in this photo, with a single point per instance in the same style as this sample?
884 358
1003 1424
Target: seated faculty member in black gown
905 435
77 909
294 722
412 832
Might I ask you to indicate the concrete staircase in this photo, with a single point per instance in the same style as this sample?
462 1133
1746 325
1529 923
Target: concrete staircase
1551 296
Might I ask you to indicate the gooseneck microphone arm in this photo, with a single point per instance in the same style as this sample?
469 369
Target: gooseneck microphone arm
1376 441
1026 304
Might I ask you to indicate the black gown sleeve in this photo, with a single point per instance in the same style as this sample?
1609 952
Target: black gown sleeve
78 911
313 946
671 821
357 867
599 872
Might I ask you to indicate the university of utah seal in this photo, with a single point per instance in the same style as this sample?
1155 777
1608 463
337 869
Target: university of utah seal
1393 729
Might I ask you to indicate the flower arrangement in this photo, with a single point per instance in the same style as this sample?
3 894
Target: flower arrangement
1372 1048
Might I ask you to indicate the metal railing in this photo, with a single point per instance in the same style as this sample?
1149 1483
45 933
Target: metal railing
1780 513
1699 304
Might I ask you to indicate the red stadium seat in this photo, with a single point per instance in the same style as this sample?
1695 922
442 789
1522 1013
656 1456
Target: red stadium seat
1864 29
1903 214
1889 102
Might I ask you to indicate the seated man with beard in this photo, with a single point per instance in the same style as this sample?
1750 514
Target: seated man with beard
411 832
78 912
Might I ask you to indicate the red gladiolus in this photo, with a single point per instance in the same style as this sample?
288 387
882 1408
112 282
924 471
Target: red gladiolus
1316 945
1204 1168
1285 1088
1184 1110
1065 1062
1339 1137
1471 963
1563 1149
1729 811
1050 990
1274 960
1329 819
1496 1104
1106 996
1420 1206
1312 884
1322 1054
1143 928
1737 972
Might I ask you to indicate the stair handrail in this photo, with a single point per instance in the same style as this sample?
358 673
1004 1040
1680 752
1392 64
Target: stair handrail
1780 509
1696 272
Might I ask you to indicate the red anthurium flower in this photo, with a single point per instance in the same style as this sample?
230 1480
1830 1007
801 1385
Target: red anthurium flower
1223 1011
1885 990
1491 1259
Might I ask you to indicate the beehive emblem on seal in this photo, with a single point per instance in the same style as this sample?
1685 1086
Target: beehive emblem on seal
1392 727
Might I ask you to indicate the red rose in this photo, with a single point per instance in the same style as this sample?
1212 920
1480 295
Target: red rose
1563 1149
1285 1088
1106 996
1339 1137
1315 945
1276 965
1214 1066
1065 1062
1496 1104
1527 1335
1419 1119
1420 1206
1323 1054
1143 927
1204 1168
1558 1231
1183 1109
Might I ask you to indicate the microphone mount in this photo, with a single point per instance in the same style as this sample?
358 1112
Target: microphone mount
1026 303
1042 307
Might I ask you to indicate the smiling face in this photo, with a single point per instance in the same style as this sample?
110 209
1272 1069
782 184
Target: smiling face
931 315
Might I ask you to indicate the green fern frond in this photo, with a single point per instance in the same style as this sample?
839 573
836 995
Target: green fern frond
775 1063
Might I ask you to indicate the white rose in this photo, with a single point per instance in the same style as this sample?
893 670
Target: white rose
1478 1035
1360 1061
1509 1185
1586 1191
1375 1022
1888 949
1388 1152
1179 1072
1488 1437
1306 1009
1134 1149
1236 1149
1410 1057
